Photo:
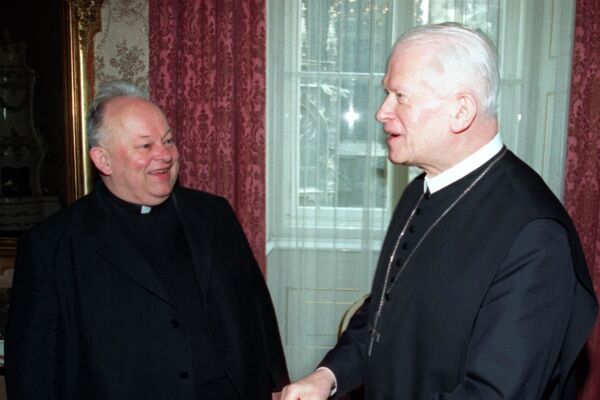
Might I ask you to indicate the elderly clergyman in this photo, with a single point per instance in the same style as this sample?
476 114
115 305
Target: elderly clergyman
141 289
481 291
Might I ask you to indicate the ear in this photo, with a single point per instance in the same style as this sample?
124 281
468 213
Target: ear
464 113
100 158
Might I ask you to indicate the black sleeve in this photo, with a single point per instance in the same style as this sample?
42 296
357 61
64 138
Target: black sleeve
267 321
521 325
346 359
34 332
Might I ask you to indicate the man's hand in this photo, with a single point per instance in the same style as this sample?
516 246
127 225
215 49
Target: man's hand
316 386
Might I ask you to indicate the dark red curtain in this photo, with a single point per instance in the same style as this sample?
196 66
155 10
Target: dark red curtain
582 180
207 72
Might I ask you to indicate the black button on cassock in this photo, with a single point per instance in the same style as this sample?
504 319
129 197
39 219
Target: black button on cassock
184 375
174 323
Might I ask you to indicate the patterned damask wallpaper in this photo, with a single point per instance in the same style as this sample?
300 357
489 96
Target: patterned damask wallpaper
121 47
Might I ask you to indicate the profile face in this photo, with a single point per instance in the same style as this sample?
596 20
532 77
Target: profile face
414 114
138 157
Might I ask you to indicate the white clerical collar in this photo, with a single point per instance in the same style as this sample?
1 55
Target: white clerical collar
465 167
145 210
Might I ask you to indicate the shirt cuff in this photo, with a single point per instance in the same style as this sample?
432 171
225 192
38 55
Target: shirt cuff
334 387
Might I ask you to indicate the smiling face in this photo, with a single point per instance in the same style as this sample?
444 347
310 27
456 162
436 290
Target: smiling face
415 116
137 158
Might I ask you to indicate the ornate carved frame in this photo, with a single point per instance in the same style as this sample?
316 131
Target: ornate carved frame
82 22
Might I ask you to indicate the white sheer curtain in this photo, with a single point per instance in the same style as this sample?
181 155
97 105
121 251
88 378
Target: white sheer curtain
330 188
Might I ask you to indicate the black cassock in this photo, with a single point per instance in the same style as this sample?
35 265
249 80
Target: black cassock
92 317
495 303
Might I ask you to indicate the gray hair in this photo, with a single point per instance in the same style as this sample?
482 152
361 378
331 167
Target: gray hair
467 54
106 92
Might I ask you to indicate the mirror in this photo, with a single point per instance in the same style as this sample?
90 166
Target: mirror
46 84
59 49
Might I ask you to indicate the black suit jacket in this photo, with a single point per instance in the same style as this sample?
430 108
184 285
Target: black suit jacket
495 304
88 318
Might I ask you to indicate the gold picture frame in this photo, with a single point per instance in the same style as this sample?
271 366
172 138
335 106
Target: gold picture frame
81 21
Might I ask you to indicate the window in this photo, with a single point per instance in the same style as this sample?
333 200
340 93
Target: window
331 189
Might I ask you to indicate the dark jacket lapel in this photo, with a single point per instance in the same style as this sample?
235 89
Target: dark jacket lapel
199 232
105 238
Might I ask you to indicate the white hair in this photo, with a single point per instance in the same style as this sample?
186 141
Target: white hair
106 92
466 57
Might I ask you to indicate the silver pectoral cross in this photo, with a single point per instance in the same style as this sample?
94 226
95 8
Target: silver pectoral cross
374 338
